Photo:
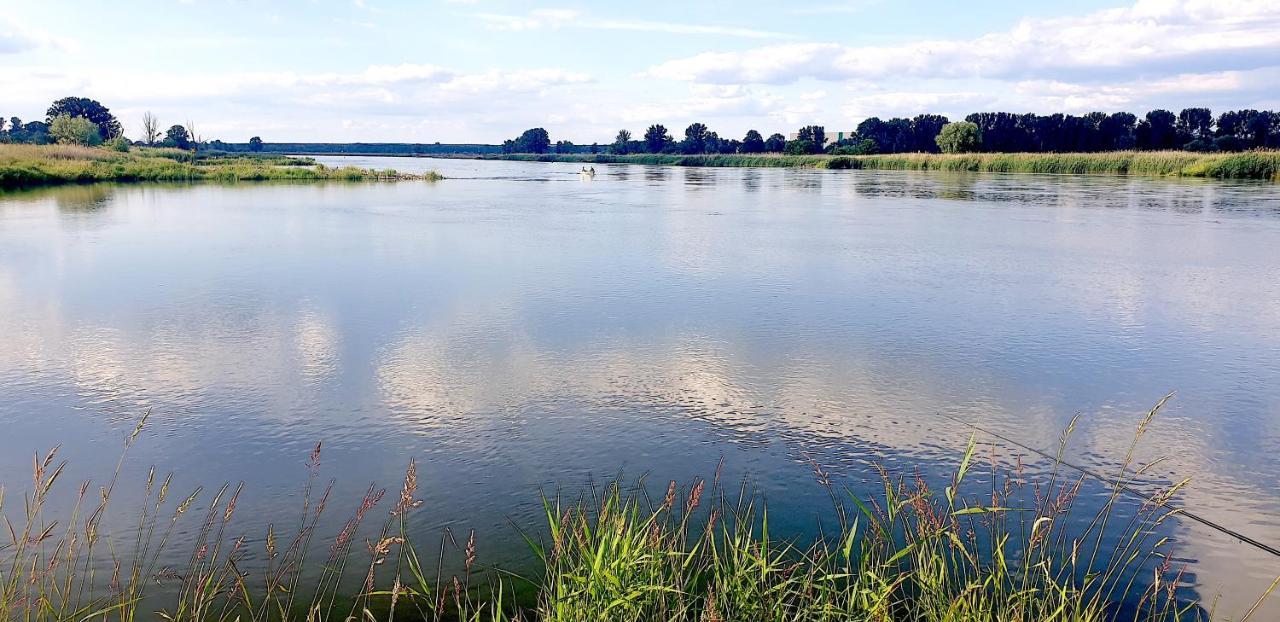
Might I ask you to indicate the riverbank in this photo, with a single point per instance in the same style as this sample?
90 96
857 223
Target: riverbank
23 166
1263 165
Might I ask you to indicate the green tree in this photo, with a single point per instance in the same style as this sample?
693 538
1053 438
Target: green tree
1195 124
33 132
753 142
622 143
69 130
959 137
108 126
711 143
14 135
656 138
1158 131
564 146
535 140
177 136
815 135
695 138
775 143
255 144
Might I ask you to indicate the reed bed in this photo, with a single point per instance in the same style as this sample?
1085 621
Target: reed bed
1004 549
44 165
1262 165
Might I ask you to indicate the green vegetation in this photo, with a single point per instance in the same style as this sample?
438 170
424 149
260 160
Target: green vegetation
992 545
959 138
69 130
1260 164
42 165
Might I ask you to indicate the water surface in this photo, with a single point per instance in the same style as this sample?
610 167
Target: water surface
514 328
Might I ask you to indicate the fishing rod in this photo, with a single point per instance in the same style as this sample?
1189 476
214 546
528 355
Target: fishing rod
1123 487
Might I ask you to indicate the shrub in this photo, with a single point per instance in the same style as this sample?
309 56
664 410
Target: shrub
119 144
799 147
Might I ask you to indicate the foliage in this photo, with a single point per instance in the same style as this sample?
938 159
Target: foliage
753 142
695 139
177 137
865 146
775 143
800 147
622 143
69 130
83 107
255 144
119 143
812 136
960 137
535 140
656 138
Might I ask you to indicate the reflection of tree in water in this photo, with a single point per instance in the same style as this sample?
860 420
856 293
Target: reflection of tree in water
949 186
69 199
695 176
807 181
82 199
656 173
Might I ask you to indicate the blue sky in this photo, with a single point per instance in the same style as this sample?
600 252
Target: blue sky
484 70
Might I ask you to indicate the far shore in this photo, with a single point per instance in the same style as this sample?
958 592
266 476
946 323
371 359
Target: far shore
1261 165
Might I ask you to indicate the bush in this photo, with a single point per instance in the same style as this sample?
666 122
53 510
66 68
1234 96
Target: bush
119 144
1228 143
865 146
799 147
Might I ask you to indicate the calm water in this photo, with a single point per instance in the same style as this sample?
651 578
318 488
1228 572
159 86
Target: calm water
514 327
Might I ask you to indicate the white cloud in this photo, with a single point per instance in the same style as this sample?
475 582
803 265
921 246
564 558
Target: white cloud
558 18
16 38
396 95
1152 36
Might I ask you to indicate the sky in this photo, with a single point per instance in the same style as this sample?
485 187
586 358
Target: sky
484 70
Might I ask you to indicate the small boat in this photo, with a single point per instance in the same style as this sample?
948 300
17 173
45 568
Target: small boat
587 174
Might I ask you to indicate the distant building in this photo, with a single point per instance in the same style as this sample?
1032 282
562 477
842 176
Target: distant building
832 137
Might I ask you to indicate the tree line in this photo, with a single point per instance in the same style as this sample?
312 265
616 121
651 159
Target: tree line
84 121
1193 129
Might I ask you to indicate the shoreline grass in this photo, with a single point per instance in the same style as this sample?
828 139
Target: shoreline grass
1008 548
1260 165
25 166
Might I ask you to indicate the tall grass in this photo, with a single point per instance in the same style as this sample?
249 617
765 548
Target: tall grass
1008 549
1247 165
43 165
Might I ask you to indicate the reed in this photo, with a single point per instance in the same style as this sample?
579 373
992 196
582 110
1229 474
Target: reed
1009 547
44 165
1263 165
